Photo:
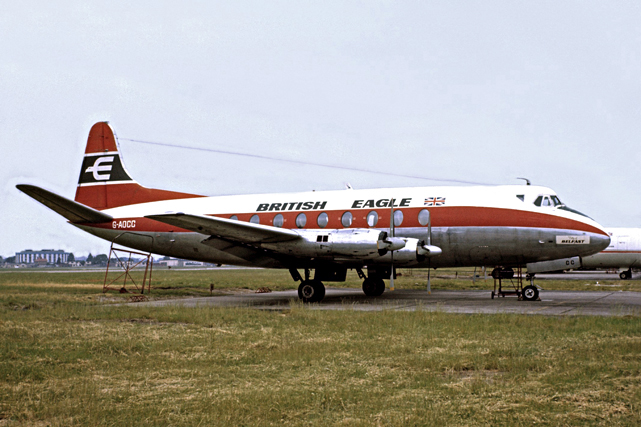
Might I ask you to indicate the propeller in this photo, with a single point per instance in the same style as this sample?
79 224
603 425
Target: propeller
429 250
388 242
391 232
429 243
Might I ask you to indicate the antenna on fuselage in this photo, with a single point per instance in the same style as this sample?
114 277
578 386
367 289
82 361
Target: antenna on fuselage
527 181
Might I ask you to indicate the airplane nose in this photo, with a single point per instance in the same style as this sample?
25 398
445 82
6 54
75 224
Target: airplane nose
599 242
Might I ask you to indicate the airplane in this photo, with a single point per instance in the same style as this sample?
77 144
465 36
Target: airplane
327 232
623 253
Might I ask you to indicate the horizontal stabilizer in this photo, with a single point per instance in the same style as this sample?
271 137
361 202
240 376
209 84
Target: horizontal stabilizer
231 229
73 211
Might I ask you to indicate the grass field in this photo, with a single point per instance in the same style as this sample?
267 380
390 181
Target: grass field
172 283
68 358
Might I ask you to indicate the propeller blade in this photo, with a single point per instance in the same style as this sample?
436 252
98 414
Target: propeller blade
391 232
429 245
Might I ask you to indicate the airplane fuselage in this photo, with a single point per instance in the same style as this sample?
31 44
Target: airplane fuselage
484 225
624 251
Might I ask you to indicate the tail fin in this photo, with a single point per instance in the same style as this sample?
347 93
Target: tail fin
104 182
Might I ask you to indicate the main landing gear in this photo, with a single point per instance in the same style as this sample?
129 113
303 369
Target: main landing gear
626 275
309 290
373 286
313 290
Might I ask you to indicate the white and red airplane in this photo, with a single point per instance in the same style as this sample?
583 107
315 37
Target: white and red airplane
328 232
624 252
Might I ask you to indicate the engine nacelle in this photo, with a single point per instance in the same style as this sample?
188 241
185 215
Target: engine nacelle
355 244
363 243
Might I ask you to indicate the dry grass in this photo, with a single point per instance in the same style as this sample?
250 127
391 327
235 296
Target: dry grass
66 359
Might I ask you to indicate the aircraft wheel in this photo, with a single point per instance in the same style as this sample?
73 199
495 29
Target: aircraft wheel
311 291
625 275
373 286
530 293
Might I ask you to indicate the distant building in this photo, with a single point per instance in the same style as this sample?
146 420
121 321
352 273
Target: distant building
172 262
41 257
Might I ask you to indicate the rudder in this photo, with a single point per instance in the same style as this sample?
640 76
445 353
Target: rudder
105 183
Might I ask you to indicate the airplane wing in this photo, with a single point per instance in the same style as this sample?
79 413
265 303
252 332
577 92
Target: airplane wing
240 231
73 211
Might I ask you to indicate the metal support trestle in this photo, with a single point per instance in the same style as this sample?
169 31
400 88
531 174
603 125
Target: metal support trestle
123 260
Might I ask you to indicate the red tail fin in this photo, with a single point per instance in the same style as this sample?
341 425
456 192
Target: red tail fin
104 182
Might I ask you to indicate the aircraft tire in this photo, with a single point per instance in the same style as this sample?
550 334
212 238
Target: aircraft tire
311 291
373 286
625 275
530 293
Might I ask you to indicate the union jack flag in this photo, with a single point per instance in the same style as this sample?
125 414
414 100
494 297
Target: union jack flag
434 201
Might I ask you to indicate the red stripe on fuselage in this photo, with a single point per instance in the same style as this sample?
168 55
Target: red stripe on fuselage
452 216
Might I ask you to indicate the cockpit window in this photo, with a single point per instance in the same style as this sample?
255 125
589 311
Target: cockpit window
542 201
556 201
551 200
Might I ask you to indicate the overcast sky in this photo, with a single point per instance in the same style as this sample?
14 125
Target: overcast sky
481 91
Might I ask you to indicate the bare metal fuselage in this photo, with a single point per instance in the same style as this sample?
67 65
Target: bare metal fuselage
462 246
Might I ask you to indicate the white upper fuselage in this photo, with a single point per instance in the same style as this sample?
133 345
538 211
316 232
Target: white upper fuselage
507 205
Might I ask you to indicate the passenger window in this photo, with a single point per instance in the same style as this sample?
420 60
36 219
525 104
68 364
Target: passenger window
278 220
255 219
346 219
398 218
424 217
521 197
322 220
372 218
301 220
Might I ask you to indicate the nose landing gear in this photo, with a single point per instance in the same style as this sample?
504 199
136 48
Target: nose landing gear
530 293
527 293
